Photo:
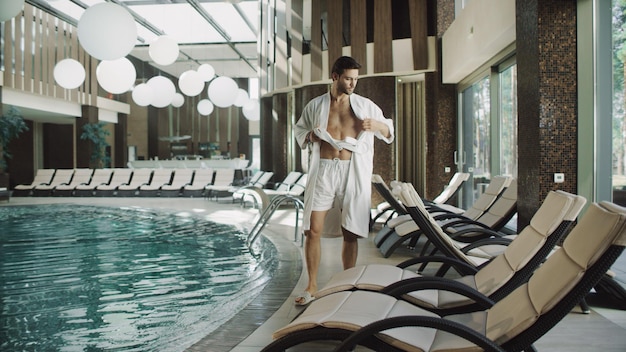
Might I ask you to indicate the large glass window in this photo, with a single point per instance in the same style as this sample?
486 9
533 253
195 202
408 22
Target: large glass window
476 138
488 133
508 121
619 118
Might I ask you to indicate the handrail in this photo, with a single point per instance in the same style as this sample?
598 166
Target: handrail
267 213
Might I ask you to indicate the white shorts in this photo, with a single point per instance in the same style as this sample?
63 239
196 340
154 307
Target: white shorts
330 186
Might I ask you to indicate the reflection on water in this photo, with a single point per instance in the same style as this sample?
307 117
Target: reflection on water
77 278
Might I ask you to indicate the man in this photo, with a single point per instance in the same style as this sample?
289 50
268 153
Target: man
339 128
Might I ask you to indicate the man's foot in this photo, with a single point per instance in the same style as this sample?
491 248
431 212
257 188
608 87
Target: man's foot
304 299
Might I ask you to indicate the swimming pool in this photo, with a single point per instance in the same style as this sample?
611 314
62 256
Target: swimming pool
87 278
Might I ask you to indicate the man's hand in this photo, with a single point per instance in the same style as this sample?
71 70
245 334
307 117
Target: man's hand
376 126
312 137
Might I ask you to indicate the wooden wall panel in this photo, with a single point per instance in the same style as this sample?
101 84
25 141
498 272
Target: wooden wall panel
28 54
8 55
383 35
19 66
419 33
358 31
296 30
50 59
316 41
74 48
335 31
59 54
37 57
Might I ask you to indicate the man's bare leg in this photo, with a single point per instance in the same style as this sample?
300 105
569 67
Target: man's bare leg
313 250
350 249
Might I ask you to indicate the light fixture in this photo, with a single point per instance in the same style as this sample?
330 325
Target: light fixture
163 91
142 94
223 91
107 31
242 98
116 76
10 9
164 50
252 110
178 100
205 107
191 83
207 72
69 73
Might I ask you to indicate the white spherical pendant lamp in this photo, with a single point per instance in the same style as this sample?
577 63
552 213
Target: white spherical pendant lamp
191 83
223 91
69 73
142 94
178 100
241 99
163 91
107 31
205 107
164 50
10 9
116 76
252 110
207 72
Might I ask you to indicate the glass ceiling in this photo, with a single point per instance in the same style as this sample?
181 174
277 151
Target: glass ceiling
221 33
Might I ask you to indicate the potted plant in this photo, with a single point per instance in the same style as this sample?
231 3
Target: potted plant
97 134
11 125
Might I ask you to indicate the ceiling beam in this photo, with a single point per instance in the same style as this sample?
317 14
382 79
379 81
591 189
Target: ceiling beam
220 30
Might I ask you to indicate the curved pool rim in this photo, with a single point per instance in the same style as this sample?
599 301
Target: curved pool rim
271 298
250 318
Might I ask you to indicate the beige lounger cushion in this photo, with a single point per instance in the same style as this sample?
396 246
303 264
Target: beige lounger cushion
350 310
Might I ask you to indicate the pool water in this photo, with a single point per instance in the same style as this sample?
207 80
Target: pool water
86 278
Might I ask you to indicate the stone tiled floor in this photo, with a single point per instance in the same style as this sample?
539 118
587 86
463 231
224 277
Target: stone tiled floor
604 329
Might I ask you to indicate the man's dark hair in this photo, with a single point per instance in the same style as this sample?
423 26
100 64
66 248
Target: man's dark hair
345 63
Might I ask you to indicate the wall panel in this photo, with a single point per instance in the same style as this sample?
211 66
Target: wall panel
383 36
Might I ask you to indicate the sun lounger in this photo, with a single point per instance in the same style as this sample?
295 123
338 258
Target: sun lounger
121 176
140 177
495 279
100 177
389 239
385 209
201 179
80 177
61 177
239 194
160 178
222 182
384 321
182 178
42 177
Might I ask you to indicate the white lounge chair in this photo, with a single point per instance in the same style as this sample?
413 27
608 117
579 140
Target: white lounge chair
120 177
201 179
140 177
80 177
239 193
61 177
160 178
182 178
99 177
42 177
221 184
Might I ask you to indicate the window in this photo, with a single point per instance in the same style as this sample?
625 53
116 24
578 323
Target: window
619 122
488 128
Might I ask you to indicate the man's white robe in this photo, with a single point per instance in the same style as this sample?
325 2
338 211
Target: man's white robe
355 215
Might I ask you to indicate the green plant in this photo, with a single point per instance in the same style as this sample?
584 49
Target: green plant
97 134
11 125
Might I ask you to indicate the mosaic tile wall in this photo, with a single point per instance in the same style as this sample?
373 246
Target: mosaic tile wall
547 100
441 115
